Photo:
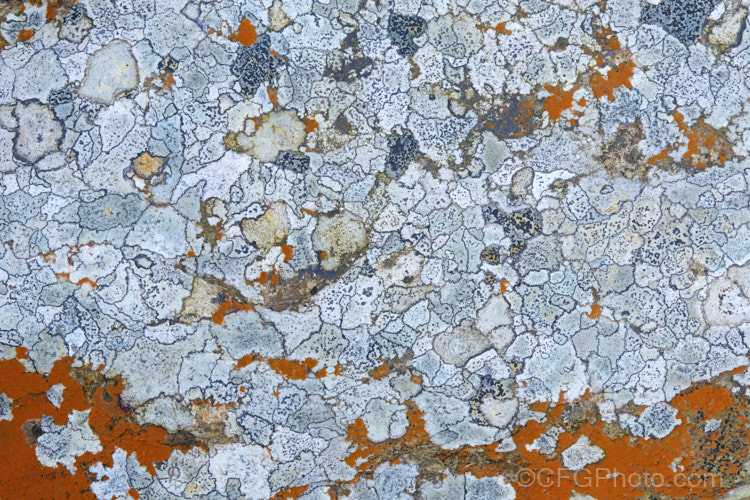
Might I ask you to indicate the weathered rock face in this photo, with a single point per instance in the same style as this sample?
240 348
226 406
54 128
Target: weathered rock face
109 72
353 249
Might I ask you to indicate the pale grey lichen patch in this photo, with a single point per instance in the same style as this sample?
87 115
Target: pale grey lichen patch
109 72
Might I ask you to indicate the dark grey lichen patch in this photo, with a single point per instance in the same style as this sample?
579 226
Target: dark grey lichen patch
683 19
519 117
519 225
254 65
401 150
403 30
293 161
350 64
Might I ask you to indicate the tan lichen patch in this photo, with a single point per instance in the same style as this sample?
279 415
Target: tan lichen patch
341 236
621 156
725 33
268 230
211 299
146 166
203 301
277 131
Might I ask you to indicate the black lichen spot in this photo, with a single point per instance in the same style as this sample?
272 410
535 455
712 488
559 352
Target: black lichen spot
293 161
61 96
524 223
254 65
683 19
401 150
403 30
74 15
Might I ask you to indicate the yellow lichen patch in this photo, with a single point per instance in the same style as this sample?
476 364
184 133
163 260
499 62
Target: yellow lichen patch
201 303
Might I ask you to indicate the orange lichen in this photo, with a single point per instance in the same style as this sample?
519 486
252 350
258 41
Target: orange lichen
616 77
245 34
659 157
229 306
191 253
25 35
559 101
504 285
80 282
274 98
310 124
309 212
290 370
323 255
625 457
596 311
134 493
704 143
380 372
499 28
263 277
21 472
22 353
288 251
291 492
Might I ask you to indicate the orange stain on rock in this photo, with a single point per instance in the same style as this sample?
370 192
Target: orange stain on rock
245 34
559 101
616 77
